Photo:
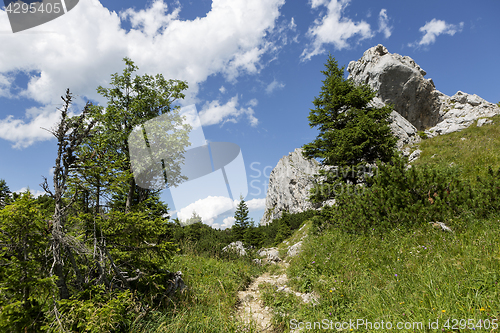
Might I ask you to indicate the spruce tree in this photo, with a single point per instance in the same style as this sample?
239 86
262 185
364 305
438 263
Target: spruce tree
240 220
284 230
253 235
352 133
5 194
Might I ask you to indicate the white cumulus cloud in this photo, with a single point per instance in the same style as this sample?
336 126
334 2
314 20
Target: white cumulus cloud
273 86
23 133
212 207
35 194
435 28
227 222
82 48
214 113
256 204
383 23
333 28
209 208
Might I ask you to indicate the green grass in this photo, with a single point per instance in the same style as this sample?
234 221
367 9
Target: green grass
417 275
209 303
472 156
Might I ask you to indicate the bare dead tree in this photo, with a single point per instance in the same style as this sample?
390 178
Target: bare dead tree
70 133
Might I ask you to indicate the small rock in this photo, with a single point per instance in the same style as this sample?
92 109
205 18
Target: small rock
237 247
440 225
483 121
294 249
414 155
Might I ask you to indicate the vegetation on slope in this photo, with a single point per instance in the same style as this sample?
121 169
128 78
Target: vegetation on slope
397 267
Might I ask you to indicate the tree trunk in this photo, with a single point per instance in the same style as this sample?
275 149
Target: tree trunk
130 195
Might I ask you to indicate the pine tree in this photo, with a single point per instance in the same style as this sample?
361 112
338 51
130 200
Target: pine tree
5 194
241 223
352 132
284 230
253 235
195 218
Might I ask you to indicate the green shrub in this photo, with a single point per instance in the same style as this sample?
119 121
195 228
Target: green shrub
95 311
25 285
422 135
401 197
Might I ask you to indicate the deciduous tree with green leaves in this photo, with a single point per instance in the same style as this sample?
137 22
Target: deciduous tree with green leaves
131 101
352 133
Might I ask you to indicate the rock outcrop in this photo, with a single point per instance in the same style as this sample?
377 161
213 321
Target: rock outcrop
400 81
460 111
236 247
272 255
175 283
289 185
294 249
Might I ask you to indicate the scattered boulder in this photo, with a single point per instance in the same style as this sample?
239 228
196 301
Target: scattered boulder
272 255
294 249
441 225
257 261
175 283
413 156
483 121
236 247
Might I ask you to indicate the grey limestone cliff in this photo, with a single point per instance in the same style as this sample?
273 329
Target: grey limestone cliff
400 81
289 185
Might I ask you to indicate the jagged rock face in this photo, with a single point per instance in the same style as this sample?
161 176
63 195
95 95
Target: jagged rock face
460 111
400 81
289 185
400 127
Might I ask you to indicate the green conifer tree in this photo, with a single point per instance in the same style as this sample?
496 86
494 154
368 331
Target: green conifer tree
241 223
5 194
284 230
352 133
253 235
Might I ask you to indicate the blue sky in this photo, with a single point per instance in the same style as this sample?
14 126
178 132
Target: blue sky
253 69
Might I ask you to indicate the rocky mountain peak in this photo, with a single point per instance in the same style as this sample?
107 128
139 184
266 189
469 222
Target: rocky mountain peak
397 80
